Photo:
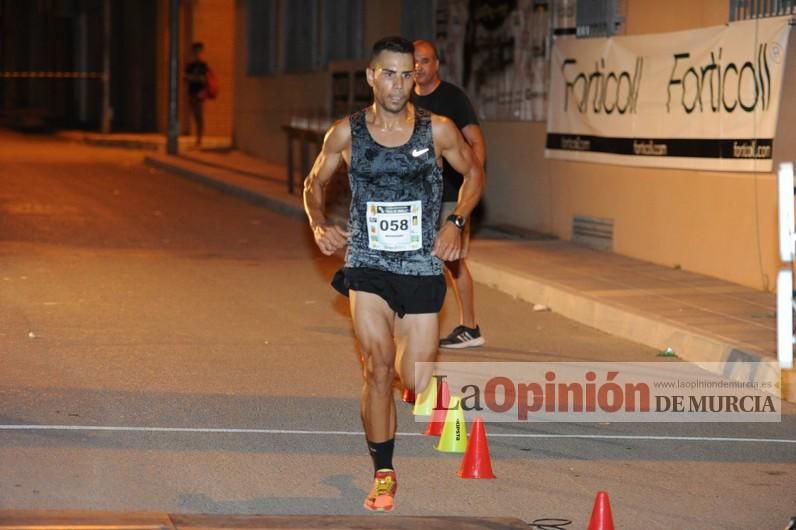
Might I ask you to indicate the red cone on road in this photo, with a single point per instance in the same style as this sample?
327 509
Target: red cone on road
440 411
601 518
476 462
407 396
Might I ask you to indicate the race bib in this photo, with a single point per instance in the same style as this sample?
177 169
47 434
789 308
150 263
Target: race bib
395 226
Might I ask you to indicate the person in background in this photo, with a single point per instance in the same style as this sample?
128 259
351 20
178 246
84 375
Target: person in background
446 99
196 76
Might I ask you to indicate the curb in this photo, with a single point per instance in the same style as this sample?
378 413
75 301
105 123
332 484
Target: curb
198 172
156 143
81 520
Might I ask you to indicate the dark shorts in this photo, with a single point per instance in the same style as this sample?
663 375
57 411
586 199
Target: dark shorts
404 294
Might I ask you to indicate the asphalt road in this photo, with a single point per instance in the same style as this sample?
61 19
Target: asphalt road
166 347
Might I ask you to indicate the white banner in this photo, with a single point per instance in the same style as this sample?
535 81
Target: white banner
699 99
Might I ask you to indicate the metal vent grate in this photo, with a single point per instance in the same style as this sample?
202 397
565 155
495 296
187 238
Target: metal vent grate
593 232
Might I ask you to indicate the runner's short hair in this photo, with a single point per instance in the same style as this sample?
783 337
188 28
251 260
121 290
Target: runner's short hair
393 44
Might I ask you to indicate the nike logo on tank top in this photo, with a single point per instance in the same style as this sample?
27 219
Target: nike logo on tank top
396 195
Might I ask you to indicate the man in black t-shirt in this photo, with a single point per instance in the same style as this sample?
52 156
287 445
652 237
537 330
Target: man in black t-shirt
441 97
196 76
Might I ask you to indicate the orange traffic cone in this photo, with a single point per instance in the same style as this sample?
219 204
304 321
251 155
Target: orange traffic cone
601 518
476 462
440 411
407 396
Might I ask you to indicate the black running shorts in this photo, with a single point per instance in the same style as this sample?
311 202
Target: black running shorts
404 294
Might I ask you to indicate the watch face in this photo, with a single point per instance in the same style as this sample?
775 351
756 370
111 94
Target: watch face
457 220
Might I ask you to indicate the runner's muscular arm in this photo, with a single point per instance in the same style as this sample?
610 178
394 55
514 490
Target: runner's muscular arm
472 133
452 146
336 145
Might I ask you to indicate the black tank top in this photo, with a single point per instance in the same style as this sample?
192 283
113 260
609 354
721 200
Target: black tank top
409 181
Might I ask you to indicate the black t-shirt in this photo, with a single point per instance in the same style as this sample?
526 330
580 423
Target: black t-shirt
450 101
196 68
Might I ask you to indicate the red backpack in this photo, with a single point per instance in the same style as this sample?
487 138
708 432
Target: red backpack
211 85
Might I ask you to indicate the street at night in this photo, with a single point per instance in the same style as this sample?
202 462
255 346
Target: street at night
167 347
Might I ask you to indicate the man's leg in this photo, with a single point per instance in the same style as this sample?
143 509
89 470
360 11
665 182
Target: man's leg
373 326
200 122
416 338
198 117
467 334
463 289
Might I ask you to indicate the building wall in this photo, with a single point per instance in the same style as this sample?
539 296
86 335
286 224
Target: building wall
213 23
382 18
162 66
134 75
263 103
266 102
720 224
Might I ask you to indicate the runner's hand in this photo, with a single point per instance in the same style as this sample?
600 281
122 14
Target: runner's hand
330 238
448 245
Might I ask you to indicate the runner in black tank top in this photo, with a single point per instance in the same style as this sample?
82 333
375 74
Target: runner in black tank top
395 252
395 201
405 174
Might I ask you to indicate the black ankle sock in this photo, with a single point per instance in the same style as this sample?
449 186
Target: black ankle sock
381 453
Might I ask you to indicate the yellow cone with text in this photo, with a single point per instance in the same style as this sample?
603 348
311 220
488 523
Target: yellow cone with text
454 433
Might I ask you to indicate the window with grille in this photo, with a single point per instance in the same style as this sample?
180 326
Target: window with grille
343 22
746 9
599 18
261 35
417 19
302 38
313 34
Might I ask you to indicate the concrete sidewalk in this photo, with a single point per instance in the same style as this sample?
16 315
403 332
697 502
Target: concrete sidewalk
699 318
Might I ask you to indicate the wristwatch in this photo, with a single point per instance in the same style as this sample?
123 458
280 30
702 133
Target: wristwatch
457 220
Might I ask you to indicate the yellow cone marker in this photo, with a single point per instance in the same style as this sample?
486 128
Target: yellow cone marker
425 401
454 433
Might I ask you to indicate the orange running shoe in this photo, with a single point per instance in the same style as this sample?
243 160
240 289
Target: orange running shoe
382 497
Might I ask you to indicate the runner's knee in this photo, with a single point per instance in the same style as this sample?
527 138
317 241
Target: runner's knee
379 376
